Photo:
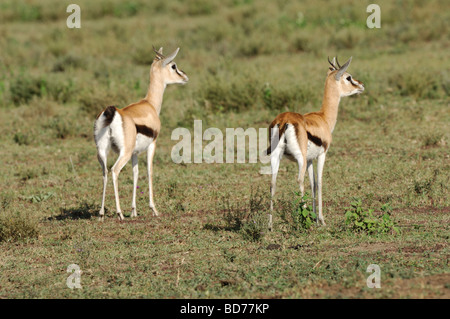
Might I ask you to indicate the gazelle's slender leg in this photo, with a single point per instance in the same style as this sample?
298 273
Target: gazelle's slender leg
120 163
134 160
103 162
312 181
320 164
150 154
275 159
301 174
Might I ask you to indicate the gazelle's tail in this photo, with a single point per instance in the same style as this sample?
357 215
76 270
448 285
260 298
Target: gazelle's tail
276 132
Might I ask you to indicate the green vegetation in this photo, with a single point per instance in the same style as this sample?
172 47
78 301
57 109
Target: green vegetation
302 213
361 220
15 227
247 61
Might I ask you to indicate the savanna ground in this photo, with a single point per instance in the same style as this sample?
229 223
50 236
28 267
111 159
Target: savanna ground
247 61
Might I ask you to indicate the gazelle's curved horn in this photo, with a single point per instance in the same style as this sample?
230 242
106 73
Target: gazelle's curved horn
159 54
343 69
170 57
332 63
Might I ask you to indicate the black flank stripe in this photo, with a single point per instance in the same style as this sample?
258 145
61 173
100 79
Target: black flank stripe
316 140
145 130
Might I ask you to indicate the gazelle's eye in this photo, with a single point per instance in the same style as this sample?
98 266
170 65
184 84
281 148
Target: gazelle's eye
349 78
174 66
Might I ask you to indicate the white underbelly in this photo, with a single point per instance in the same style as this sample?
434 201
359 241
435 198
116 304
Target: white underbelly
292 148
142 143
313 151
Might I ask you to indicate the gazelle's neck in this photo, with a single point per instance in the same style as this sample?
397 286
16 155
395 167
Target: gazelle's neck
330 103
155 92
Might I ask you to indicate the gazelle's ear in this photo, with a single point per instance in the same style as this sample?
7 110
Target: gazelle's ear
343 69
170 57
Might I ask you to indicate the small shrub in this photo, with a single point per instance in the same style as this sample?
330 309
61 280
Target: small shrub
60 127
22 89
288 98
223 96
250 220
429 187
60 91
432 139
361 220
253 229
37 198
67 62
14 227
27 174
5 200
143 55
301 44
252 48
22 139
347 38
420 84
196 8
234 214
29 12
126 9
302 214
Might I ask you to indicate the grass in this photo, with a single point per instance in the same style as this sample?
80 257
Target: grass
247 61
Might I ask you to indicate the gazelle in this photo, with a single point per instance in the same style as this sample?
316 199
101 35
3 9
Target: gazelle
304 138
135 128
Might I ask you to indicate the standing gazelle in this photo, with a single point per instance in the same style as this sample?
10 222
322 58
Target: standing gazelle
303 138
135 128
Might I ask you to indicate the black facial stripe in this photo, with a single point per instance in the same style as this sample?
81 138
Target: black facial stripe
356 83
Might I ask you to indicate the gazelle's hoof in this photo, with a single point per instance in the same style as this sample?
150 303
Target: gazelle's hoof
155 212
120 216
101 214
133 212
